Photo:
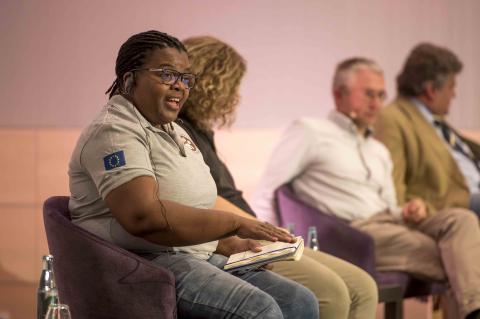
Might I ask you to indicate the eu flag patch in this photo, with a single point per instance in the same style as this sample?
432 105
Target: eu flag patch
114 160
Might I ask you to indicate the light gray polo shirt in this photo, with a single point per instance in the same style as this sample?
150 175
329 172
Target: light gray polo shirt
119 145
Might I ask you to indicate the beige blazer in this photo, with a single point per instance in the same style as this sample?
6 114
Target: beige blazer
423 165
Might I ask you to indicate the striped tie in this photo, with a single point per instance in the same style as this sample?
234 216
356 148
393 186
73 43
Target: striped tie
454 141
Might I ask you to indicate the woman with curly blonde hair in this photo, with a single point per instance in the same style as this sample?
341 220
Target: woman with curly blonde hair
220 69
342 289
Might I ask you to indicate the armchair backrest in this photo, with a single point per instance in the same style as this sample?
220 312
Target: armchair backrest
291 210
335 236
100 280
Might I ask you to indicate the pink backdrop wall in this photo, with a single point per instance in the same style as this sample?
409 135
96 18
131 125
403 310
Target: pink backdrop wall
58 56
57 59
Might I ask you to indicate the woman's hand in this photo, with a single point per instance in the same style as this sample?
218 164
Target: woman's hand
255 229
233 244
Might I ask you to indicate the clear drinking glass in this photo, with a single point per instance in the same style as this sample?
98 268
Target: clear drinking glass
58 311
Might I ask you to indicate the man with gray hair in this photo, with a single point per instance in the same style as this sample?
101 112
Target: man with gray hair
336 165
325 160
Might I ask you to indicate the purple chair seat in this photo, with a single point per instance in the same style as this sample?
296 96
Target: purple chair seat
100 280
413 287
338 238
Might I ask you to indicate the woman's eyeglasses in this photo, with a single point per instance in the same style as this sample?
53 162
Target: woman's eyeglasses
168 76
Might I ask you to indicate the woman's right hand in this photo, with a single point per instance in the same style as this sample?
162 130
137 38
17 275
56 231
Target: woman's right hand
255 229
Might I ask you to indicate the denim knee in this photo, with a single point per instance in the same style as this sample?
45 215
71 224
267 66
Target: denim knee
263 307
306 304
257 304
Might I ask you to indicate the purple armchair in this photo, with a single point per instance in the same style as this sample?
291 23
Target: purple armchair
336 237
100 280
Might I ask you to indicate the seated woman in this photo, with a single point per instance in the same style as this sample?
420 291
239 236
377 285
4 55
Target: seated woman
343 290
135 182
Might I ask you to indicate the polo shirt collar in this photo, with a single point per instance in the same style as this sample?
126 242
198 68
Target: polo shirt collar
120 100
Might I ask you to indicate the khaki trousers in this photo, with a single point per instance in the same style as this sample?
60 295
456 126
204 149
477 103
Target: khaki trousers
343 290
445 246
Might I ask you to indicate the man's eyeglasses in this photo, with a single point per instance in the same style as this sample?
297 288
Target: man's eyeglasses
372 94
168 76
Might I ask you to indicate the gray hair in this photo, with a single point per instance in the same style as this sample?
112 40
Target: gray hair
347 67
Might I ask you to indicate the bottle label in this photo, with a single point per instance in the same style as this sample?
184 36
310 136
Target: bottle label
45 299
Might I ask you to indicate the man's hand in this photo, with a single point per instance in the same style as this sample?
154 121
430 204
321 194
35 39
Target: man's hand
414 211
232 245
254 229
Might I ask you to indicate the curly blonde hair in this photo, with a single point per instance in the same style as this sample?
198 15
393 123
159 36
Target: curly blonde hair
220 69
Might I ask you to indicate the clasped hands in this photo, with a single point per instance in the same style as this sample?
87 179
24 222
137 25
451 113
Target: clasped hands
414 211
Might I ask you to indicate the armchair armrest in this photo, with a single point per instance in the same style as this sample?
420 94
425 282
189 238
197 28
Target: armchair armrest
339 239
100 280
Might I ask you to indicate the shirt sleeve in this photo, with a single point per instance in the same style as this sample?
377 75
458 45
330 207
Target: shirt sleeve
288 159
115 154
389 188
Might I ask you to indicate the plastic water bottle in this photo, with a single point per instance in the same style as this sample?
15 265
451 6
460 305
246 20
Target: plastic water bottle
47 290
312 241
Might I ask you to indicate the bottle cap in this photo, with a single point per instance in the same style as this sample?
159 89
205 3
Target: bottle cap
48 257
47 262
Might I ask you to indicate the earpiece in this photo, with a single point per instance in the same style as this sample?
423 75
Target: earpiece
128 83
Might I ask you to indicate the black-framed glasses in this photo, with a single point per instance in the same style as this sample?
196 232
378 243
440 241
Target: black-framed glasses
169 76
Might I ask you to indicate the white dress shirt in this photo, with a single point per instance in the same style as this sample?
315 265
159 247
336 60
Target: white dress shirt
331 167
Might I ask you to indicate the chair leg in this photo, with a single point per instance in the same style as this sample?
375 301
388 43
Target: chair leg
394 309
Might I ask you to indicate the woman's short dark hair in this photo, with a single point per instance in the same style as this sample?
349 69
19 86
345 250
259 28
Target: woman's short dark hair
133 52
426 62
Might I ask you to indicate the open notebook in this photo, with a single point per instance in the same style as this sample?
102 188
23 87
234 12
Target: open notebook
271 252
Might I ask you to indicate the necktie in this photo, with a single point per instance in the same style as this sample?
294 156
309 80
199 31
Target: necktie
454 141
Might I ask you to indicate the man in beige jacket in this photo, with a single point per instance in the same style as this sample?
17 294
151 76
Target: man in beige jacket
335 165
431 160
436 165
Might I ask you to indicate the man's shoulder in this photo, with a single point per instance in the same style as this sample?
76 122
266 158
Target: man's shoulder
394 108
398 111
313 124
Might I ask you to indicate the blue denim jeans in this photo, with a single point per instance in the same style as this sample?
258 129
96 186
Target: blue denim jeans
204 290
